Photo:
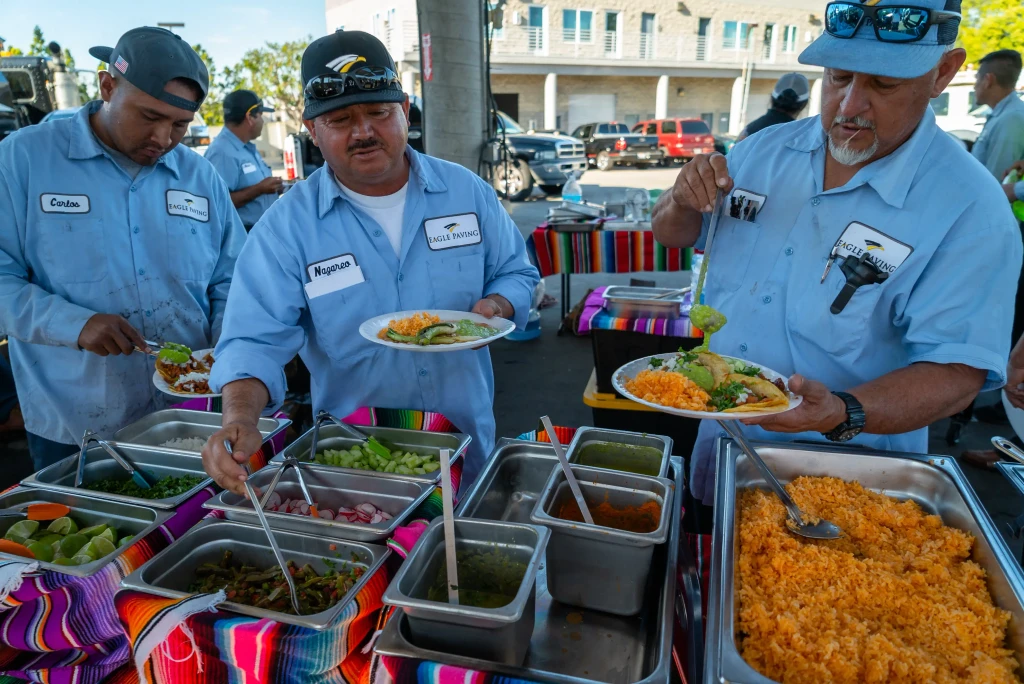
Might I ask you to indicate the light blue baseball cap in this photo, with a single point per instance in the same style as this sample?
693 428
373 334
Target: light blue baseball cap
864 53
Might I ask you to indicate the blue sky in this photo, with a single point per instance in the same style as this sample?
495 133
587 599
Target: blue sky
226 28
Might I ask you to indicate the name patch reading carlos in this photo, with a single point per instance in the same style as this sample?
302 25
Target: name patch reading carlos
446 232
887 253
53 203
181 203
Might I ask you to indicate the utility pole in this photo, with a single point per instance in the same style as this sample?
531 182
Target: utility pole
170 25
748 74
454 78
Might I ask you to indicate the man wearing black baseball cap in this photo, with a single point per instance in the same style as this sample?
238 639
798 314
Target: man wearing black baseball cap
115 235
379 229
252 185
789 97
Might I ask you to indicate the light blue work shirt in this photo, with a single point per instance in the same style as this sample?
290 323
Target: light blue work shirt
240 165
315 267
951 300
1001 142
80 237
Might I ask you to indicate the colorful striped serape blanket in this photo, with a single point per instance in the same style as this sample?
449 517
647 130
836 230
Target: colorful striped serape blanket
604 251
595 317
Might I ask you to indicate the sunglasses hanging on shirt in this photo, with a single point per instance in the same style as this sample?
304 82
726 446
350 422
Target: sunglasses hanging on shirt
859 271
362 78
891 23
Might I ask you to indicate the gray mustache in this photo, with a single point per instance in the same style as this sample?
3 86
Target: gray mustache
856 121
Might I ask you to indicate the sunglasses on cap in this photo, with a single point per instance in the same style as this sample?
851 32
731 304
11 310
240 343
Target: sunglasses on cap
892 23
362 78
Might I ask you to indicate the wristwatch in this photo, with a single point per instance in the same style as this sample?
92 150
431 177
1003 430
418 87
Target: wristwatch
854 423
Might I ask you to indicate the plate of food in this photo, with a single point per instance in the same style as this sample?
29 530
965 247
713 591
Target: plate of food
438 330
705 385
182 372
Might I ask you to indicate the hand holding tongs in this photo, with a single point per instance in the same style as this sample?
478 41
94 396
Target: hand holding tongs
290 462
270 535
138 477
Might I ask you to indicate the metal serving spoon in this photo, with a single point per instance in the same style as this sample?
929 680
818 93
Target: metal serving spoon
1008 448
822 529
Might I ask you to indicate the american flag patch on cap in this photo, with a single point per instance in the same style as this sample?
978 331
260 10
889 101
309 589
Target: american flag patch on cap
121 65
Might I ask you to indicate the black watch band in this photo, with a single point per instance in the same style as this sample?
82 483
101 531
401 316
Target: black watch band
854 423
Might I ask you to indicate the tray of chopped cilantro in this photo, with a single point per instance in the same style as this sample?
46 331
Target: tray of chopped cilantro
434 331
702 384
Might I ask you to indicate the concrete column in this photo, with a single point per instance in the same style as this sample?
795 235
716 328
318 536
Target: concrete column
814 106
736 107
661 98
551 101
409 81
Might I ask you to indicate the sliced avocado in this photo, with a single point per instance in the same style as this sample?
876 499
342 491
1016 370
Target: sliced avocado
700 375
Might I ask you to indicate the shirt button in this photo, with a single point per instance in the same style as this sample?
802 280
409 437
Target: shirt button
815 202
135 230
401 276
142 271
193 231
789 251
423 371
376 233
149 312
133 188
766 299
743 347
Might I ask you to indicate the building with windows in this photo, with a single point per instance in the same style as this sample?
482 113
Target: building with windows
556 64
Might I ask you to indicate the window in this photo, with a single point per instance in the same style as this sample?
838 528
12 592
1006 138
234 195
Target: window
496 33
669 127
696 128
652 129
647 23
577 26
971 102
21 85
708 118
735 35
647 33
639 128
611 34
535 28
614 129
940 105
723 122
789 39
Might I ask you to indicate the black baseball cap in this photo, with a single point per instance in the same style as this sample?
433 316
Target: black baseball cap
238 104
149 57
339 53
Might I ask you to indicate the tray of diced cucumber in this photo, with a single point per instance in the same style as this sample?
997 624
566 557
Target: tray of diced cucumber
361 457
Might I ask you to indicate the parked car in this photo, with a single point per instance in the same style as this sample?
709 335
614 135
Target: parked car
532 158
31 82
608 144
8 121
724 142
198 135
679 140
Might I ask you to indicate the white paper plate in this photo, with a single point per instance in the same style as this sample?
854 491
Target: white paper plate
630 370
1014 414
371 327
162 385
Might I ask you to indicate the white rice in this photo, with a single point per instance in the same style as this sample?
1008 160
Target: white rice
186 443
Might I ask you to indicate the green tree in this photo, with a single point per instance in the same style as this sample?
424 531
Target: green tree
274 73
991 25
212 109
38 46
11 52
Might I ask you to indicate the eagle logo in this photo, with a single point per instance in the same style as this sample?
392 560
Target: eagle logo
874 245
451 226
188 202
344 63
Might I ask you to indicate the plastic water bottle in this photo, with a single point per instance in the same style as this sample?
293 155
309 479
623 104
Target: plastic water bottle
571 191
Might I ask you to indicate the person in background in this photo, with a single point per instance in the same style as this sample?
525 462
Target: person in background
113 234
789 97
252 185
1001 142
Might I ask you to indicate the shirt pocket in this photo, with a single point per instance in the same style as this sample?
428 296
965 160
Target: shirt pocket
73 249
191 250
842 334
732 249
336 318
458 282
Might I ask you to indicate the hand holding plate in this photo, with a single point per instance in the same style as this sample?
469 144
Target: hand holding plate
820 410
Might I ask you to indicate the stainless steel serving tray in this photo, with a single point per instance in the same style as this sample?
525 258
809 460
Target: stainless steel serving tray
934 482
170 572
1014 472
60 477
588 435
638 302
330 488
162 426
137 521
418 441
569 645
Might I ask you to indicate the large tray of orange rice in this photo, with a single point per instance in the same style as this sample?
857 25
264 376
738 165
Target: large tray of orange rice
896 599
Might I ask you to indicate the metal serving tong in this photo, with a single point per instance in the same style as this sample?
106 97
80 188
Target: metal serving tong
138 477
290 462
822 529
325 417
270 535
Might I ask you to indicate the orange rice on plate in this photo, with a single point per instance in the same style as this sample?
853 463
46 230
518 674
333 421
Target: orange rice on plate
411 325
896 599
668 389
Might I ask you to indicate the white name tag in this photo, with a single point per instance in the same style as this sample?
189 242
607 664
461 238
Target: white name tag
181 203
52 203
331 275
248 167
887 253
446 232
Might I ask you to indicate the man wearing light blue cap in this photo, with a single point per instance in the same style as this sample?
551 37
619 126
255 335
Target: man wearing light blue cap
870 199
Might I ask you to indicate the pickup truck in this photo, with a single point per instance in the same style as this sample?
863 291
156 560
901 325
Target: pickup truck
544 159
608 144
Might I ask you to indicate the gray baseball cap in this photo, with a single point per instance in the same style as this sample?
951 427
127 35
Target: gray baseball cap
149 57
793 88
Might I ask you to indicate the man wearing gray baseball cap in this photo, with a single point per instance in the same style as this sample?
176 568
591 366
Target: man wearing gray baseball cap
114 234
878 264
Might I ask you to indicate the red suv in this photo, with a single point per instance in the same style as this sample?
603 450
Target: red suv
679 139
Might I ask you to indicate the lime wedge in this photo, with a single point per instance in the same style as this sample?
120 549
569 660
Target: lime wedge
48 539
72 544
64 561
108 534
91 532
101 547
125 541
16 539
63 526
82 560
23 528
42 552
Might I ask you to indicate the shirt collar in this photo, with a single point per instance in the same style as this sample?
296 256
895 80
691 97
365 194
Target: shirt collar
85 145
892 175
419 172
233 140
1003 105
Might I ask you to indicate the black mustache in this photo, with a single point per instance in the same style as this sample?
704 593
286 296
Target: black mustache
364 145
